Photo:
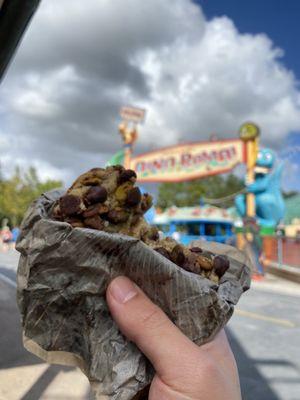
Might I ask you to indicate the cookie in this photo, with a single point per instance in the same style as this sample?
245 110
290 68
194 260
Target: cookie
107 199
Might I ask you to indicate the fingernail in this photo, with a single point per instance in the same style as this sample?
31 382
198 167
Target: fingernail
122 289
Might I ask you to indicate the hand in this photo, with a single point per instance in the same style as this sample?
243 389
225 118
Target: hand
184 371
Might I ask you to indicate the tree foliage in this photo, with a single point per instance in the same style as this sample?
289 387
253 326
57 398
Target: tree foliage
185 194
289 194
17 192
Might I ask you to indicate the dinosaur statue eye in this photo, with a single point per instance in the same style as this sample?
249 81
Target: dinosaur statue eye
268 156
259 156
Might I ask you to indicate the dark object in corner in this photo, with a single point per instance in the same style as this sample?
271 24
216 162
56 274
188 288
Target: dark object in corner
14 18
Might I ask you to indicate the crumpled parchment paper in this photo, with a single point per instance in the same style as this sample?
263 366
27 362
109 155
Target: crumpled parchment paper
62 278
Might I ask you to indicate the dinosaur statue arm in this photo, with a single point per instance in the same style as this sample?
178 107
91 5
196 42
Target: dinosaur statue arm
270 181
258 186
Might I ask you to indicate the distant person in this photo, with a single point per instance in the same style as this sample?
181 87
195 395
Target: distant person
15 233
6 237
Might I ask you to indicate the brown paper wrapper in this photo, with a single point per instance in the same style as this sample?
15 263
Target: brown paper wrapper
62 278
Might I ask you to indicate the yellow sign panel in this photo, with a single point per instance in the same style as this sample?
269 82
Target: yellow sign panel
188 161
249 131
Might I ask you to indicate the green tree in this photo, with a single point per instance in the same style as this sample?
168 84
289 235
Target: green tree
188 194
289 194
17 192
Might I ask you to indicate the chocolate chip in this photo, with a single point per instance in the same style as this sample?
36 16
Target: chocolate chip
90 212
133 197
126 175
163 252
190 267
94 222
221 265
196 250
177 255
96 194
70 204
146 202
95 209
191 263
117 216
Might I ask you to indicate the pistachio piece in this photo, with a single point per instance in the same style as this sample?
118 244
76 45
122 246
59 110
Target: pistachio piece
213 277
205 262
122 191
153 233
91 181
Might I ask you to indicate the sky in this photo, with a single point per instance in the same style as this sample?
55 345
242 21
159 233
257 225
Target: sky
197 67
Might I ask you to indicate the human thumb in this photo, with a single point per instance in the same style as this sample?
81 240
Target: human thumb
144 323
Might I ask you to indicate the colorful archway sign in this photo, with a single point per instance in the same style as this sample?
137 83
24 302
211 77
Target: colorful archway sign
189 161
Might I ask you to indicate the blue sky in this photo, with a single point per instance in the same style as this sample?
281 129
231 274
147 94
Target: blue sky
279 19
196 70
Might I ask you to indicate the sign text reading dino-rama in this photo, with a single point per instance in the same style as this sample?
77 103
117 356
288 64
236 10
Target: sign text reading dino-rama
188 161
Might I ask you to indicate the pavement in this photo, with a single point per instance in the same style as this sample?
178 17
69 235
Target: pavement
264 333
265 337
287 271
23 376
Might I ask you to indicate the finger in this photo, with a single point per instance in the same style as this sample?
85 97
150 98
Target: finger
142 322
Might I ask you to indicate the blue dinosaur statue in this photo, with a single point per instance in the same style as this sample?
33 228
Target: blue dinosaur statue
269 202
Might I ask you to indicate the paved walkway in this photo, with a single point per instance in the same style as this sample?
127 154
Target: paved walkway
264 333
22 375
275 284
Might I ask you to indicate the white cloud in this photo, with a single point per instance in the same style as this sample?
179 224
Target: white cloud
219 82
40 92
80 61
45 170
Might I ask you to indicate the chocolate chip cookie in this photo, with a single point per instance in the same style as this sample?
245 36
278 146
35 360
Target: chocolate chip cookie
107 199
